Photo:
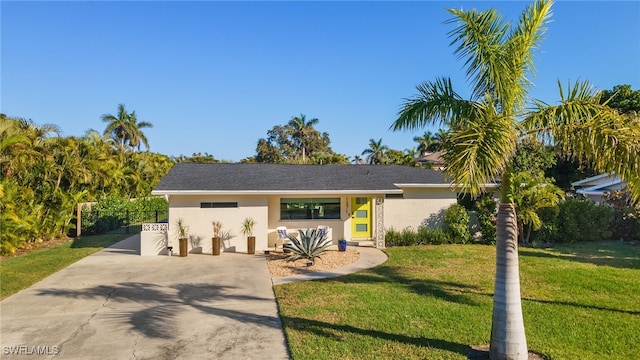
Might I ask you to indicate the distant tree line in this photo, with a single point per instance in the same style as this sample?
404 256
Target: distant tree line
43 176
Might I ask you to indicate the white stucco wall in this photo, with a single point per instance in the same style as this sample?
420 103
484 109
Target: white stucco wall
416 207
199 221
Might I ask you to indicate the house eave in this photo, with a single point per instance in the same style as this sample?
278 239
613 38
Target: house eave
276 192
591 192
593 181
437 186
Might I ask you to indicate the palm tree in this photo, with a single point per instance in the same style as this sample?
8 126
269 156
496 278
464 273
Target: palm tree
136 136
532 193
357 159
118 125
485 129
125 129
424 142
439 140
376 153
302 130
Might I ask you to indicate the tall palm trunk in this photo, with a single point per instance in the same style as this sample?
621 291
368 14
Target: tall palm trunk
508 341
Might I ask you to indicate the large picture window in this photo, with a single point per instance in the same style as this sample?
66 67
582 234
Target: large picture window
309 208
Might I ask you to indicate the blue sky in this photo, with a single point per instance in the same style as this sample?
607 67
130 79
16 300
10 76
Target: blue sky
216 76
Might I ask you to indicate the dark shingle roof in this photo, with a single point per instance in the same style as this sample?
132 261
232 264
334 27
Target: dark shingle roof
279 177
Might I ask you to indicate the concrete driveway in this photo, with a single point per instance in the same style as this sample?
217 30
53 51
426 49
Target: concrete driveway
118 305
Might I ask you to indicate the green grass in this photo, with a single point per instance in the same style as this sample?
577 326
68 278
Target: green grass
580 301
23 271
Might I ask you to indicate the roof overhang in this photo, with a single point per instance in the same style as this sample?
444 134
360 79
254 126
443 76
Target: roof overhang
590 192
276 192
438 186
609 179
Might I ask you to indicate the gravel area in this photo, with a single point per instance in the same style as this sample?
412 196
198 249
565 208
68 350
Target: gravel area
279 266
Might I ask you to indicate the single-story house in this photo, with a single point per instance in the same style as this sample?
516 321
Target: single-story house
356 202
596 187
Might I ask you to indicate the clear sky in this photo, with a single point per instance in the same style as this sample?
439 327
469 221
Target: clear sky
216 76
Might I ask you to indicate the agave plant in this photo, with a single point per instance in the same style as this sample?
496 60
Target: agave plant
312 244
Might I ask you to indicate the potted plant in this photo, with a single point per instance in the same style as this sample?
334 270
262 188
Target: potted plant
217 235
183 236
247 230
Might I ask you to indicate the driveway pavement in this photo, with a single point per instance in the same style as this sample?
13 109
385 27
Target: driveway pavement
118 305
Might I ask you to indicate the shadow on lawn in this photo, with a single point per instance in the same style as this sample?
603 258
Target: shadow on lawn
332 331
445 290
606 253
584 306
162 306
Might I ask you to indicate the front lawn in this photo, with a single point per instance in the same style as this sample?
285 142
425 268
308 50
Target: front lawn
580 301
25 270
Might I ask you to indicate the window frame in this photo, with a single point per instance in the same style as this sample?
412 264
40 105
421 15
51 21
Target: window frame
311 208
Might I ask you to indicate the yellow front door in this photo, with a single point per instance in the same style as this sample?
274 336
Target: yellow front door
361 217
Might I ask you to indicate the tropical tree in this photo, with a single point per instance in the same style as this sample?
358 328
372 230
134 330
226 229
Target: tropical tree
622 98
424 142
117 125
302 132
376 153
532 193
439 140
197 158
297 142
125 129
533 157
44 177
430 142
484 131
136 136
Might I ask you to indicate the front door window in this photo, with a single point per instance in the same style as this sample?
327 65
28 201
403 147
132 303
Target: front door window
361 217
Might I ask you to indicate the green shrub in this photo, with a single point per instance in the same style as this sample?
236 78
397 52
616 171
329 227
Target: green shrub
584 220
112 212
435 236
627 223
485 207
457 224
410 237
406 237
391 237
550 225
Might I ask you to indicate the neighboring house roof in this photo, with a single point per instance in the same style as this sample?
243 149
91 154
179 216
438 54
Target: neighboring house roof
217 178
434 158
599 184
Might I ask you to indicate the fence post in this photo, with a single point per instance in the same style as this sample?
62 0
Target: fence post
156 216
127 226
79 220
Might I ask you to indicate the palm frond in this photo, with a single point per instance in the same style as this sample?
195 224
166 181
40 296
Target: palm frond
435 103
479 37
582 128
479 150
498 61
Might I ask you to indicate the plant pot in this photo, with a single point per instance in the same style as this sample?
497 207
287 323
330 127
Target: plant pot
184 247
342 245
251 244
215 245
